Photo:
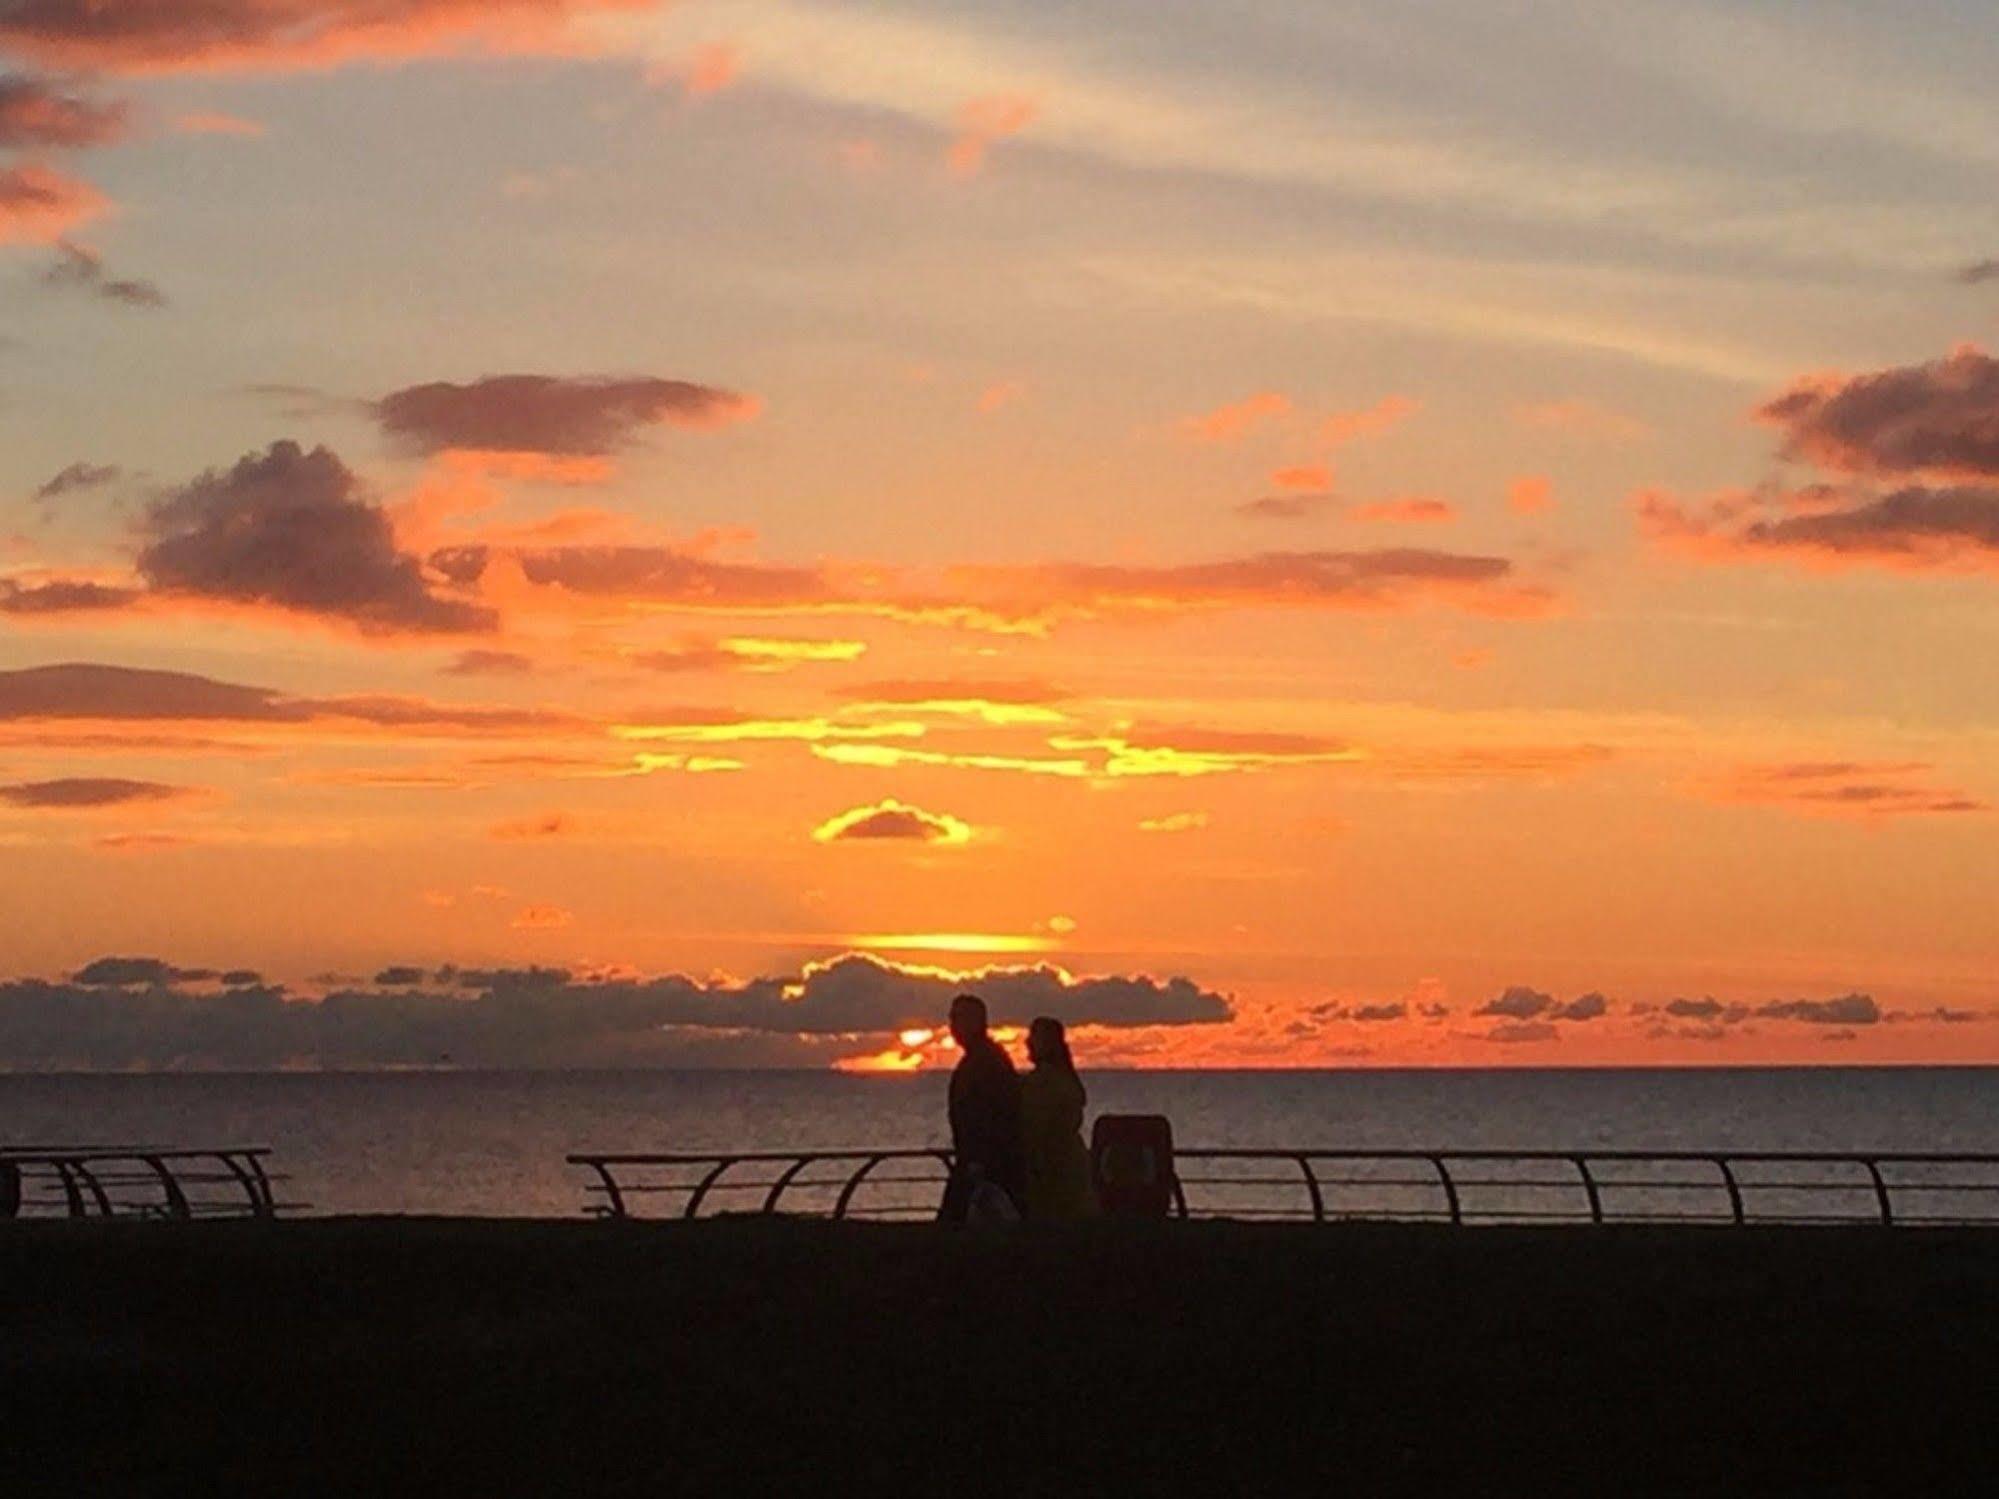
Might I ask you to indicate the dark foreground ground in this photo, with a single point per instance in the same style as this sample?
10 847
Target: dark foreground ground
367 1356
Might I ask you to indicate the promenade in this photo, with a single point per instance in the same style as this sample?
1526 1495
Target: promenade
370 1355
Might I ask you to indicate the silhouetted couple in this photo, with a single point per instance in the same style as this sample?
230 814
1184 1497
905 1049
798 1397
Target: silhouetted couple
1016 1142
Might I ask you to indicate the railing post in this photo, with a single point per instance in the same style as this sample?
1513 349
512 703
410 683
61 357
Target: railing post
1734 1191
1312 1185
611 1193
1880 1192
1450 1191
701 1191
854 1184
1589 1186
89 1179
777 1187
176 1200
71 1192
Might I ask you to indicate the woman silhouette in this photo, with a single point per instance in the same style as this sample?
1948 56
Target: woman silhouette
1051 1127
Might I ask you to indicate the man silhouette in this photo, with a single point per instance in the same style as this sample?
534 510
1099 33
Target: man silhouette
985 1115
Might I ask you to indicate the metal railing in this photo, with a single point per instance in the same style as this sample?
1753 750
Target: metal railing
120 1181
861 1183
1458 1187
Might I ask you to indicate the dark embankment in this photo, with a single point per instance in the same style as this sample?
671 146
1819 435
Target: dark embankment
738 1356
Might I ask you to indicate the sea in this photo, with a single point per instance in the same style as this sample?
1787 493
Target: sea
494 1143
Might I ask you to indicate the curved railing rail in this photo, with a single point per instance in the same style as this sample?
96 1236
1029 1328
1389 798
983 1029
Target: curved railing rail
136 1181
1461 1187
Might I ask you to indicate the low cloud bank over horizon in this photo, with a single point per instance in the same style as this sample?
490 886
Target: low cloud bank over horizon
142 1013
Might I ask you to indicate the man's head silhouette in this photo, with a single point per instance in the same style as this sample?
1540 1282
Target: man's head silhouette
968 1019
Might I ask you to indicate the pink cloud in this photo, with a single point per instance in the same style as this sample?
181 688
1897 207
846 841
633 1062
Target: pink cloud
542 918
1003 394
1297 505
1235 419
1343 427
1531 494
40 205
1410 512
35 113
710 68
1311 476
983 121
160 36
1386 579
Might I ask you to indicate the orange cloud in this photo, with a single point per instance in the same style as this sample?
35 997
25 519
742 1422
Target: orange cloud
1299 506
1531 494
1125 754
708 69
1174 822
983 121
893 821
35 113
1235 419
1343 427
1410 512
746 653
1361 581
1848 789
542 919
1310 476
1005 393
164 36
695 726
38 205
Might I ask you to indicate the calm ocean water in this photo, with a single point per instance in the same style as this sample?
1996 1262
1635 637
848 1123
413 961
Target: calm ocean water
493 1143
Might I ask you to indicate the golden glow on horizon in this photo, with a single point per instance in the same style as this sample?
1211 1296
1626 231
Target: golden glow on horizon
954 942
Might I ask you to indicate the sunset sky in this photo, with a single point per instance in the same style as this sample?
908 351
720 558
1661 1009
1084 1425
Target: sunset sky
1308 534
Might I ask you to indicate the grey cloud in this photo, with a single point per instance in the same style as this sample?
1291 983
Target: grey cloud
1517 1031
1518 1003
80 268
586 417
135 1012
78 476
1847 1009
89 792
293 530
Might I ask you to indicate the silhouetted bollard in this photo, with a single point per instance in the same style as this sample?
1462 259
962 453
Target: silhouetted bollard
10 1190
1131 1160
